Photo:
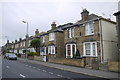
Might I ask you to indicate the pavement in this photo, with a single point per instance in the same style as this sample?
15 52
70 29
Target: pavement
86 71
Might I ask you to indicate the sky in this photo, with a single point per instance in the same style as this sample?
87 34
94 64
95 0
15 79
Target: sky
40 15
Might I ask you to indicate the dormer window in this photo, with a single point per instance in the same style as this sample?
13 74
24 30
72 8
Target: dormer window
89 29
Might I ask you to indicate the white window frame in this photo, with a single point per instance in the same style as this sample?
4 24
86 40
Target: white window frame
89 28
71 32
51 49
43 39
51 36
71 54
91 49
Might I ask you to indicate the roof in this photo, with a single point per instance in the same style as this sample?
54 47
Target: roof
117 13
93 17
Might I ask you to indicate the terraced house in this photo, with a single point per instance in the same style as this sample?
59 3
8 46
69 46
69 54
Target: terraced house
93 36
52 42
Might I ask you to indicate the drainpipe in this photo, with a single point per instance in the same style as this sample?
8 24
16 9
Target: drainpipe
101 43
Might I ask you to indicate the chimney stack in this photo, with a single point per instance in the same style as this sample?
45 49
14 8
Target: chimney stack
20 39
36 32
15 41
85 14
53 25
7 41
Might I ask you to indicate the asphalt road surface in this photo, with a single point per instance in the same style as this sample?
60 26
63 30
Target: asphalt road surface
26 70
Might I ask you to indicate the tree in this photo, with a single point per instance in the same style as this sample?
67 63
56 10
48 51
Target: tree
36 44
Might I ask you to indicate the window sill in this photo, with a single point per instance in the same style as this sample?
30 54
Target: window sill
89 56
89 34
51 40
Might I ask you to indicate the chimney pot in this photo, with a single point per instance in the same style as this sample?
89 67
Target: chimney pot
85 14
53 25
36 32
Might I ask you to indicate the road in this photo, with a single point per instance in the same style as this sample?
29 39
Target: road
22 69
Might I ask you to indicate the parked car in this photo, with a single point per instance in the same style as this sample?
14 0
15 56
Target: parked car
12 57
6 55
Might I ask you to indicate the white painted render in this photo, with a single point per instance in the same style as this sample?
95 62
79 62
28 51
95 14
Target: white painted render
109 40
31 49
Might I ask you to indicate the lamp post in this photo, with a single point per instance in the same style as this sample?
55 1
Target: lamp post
26 38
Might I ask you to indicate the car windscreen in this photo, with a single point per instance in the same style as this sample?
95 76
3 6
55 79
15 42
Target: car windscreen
12 55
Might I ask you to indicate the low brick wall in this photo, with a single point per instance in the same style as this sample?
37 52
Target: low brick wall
73 62
30 57
38 58
22 56
114 66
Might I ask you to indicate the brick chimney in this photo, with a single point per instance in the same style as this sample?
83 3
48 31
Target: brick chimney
7 41
36 32
15 41
12 42
20 39
53 25
85 14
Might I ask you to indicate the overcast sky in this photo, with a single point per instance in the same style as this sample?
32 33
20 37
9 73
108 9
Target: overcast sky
40 15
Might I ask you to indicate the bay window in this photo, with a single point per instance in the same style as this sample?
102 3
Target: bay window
90 49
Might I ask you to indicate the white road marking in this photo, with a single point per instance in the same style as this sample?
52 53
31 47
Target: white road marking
34 67
50 72
59 75
44 71
22 76
7 67
39 69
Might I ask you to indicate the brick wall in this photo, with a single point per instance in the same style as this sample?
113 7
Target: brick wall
114 66
73 62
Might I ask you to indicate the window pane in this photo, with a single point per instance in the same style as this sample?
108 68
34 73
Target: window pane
87 46
69 33
49 49
94 53
91 28
52 49
93 46
86 29
72 32
69 50
94 50
87 52
73 47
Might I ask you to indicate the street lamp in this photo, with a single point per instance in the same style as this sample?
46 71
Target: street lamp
26 38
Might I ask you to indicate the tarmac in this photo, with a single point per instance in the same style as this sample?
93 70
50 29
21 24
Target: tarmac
86 71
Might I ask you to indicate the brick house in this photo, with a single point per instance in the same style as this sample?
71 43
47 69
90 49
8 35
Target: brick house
52 42
94 37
